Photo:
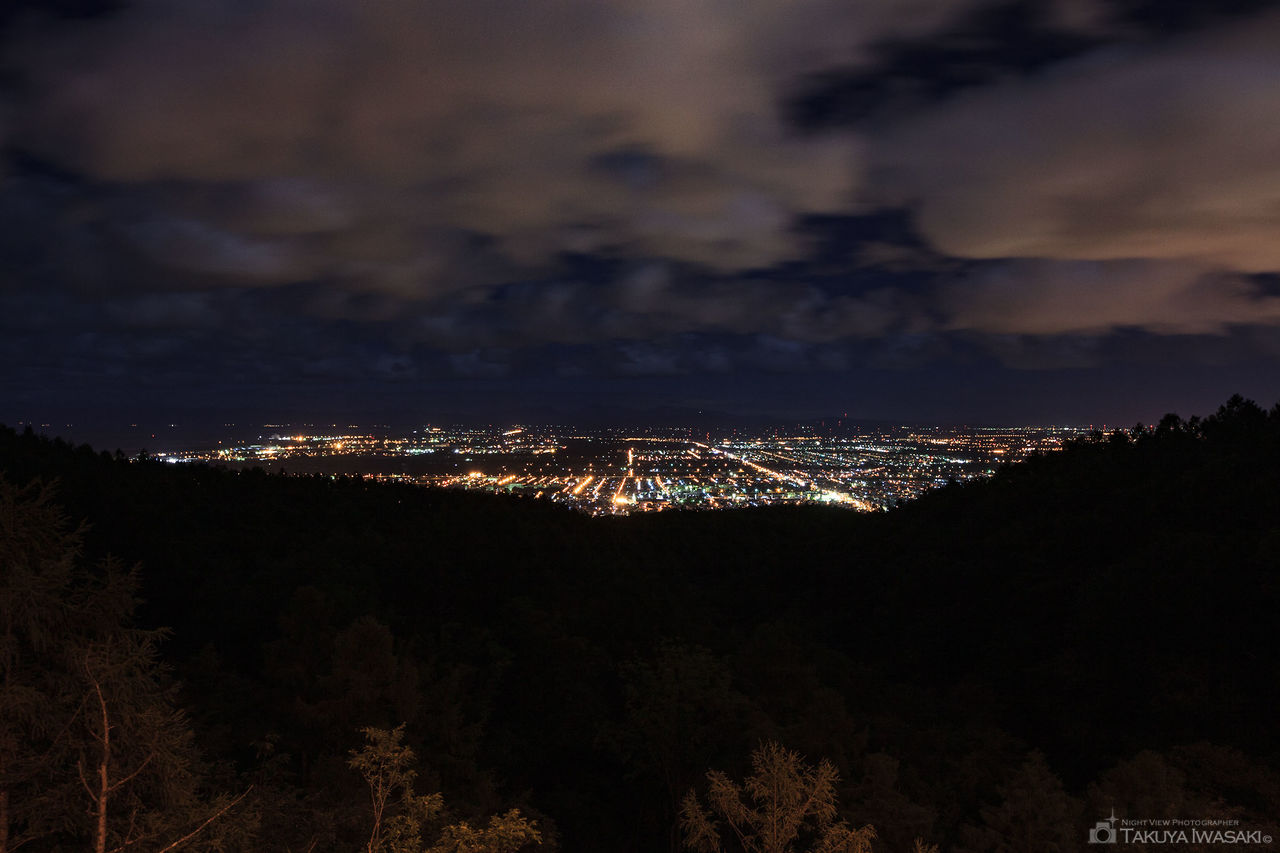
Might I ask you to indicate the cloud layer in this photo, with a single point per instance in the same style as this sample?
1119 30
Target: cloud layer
408 189
368 128
1163 152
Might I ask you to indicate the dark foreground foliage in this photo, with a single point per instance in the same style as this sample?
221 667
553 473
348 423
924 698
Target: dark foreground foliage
995 665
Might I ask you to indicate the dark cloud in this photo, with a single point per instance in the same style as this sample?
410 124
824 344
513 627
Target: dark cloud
985 45
1171 17
409 195
989 44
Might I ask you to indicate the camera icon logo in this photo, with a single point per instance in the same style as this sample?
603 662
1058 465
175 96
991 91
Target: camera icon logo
1104 831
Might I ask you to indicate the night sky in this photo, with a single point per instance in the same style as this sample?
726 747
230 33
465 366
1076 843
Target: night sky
949 210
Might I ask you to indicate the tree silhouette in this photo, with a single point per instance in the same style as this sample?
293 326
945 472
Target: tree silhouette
1034 813
505 833
87 714
785 800
137 763
681 712
37 581
400 815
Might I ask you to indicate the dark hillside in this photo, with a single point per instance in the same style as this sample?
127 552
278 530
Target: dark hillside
1122 591
1115 598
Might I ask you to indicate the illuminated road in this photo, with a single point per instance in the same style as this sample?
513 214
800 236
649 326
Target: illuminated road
616 473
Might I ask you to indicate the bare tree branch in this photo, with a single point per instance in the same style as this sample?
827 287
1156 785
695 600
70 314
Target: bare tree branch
193 833
127 779
84 781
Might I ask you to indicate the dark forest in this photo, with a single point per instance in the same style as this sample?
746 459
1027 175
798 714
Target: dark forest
310 664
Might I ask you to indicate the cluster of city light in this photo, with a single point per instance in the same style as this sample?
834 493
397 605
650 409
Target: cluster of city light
611 472
276 448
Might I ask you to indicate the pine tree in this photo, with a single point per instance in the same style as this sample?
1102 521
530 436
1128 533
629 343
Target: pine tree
92 744
37 575
786 801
